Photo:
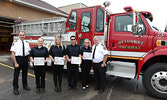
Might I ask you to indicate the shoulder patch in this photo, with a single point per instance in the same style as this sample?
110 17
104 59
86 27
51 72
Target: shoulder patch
104 48
13 44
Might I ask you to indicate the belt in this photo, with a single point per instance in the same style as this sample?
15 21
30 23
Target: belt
99 62
21 56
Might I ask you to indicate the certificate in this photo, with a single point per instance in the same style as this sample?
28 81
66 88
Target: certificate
75 60
59 61
87 56
39 61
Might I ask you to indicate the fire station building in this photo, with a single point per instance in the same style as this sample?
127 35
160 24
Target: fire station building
15 11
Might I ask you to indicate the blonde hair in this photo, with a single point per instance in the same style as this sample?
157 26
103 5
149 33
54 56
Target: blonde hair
88 41
56 40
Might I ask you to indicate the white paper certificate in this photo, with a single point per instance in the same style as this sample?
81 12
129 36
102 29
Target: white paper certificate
75 60
87 56
59 61
39 61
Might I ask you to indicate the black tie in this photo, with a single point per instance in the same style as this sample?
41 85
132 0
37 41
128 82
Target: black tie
94 52
23 49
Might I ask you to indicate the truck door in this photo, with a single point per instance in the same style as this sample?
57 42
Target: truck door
123 41
85 25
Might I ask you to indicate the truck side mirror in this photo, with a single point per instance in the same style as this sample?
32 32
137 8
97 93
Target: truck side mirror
137 29
72 17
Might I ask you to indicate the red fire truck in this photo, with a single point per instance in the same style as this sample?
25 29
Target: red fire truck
134 46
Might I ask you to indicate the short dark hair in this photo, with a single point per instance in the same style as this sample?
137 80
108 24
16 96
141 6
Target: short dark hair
73 36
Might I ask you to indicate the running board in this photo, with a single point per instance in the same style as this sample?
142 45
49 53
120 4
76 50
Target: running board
121 69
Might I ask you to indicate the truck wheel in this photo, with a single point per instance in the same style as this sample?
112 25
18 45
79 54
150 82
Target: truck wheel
155 80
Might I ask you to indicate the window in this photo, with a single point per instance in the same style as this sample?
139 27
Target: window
124 24
82 42
85 22
73 20
99 20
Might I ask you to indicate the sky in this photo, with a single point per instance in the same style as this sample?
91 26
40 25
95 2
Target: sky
156 7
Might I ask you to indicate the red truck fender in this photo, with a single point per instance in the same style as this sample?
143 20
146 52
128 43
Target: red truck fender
158 51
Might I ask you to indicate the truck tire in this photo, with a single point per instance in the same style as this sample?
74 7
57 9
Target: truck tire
155 80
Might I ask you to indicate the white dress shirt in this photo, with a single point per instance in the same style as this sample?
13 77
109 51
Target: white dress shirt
18 48
100 51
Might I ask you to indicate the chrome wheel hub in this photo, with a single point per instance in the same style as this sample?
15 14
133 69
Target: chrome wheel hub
159 81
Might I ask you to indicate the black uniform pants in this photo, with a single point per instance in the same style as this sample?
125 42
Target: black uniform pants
23 65
85 68
40 76
100 75
57 74
72 74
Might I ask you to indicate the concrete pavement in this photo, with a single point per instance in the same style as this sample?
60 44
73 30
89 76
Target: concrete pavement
116 88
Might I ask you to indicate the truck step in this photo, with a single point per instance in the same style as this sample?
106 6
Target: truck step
121 69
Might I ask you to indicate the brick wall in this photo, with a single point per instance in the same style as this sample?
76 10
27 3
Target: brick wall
12 10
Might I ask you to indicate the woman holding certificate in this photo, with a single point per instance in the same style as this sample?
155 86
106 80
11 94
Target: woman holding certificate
86 63
39 56
57 55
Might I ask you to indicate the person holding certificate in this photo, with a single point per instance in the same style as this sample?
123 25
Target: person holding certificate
86 63
39 56
73 55
57 55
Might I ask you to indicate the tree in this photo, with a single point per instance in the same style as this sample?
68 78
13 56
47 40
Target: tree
165 29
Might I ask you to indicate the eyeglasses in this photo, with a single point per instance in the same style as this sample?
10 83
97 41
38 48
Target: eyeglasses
72 39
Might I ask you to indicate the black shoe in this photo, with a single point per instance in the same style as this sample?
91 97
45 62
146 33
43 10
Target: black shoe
56 89
59 89
37 90
75 88
16 92
42 89
96 88
27 88
101 90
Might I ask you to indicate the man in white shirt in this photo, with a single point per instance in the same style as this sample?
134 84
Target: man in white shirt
99 53
20 51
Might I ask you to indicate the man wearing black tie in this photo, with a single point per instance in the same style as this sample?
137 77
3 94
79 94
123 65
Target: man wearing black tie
20 51
100 53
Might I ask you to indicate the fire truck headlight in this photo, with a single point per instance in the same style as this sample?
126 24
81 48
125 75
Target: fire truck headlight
161 43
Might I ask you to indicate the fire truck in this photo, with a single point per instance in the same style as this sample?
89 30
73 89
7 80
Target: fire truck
135 47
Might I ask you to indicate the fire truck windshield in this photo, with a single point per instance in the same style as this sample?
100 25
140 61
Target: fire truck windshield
150 24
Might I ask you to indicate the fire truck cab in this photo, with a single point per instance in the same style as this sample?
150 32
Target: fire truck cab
86 23
134 46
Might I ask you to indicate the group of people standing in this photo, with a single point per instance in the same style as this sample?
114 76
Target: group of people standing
21 50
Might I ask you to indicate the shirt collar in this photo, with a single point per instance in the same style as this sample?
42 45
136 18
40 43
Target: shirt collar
57 46
85 48
20 40
39 48
99 43
72 45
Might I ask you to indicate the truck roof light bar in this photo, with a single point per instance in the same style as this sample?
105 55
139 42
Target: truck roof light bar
128 9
